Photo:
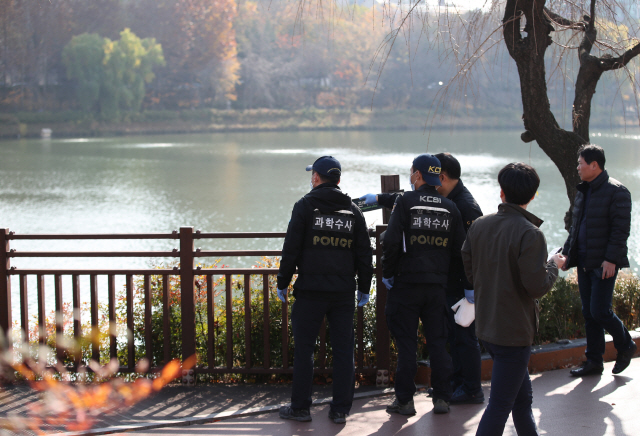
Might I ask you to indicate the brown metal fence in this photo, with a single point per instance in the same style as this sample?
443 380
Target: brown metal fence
187 273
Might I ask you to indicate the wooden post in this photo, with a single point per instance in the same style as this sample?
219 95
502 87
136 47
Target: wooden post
388 184
383 348
187 293
5 287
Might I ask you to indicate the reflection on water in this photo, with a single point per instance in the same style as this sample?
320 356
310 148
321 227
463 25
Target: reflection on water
247 182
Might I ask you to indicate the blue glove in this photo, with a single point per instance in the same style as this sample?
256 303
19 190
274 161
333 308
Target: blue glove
388 282
369 198
282 294
469 295
362 298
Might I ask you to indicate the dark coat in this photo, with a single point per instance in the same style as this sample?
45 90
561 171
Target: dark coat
328 258
415 254
470 211
608 223
505 257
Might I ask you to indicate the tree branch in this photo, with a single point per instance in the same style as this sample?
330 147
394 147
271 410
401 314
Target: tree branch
590 34
611 63
564 22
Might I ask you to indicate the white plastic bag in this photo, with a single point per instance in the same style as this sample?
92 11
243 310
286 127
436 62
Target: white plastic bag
465 312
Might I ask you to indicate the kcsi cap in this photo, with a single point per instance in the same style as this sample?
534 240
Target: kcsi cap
327 166
429 167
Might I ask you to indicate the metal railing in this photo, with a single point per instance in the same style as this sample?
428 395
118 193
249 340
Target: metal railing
187 273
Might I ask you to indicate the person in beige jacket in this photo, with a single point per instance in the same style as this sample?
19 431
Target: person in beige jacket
505 258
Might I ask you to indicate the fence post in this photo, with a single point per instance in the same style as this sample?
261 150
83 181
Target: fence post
5 288
389 183
187 293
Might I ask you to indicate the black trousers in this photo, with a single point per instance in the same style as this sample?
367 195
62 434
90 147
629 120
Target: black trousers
407 305
306 319
465 353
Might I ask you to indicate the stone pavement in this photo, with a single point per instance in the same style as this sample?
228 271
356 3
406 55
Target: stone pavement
601 405
593 406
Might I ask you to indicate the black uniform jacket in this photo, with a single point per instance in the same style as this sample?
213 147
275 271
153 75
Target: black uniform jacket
470 211
328 241
425 230
608 223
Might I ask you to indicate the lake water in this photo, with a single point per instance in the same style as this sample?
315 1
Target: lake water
249 182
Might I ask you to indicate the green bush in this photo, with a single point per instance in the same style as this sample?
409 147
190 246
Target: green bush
160 115
561 309
197 115
51 117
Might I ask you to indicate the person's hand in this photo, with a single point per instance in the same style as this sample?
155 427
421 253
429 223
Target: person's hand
559 260
282 294
369 198
608 269
362 298
388 282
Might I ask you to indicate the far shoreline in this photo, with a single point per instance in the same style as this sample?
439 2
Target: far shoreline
73 124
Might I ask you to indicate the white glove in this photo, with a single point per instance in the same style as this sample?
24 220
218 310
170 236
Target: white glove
465 312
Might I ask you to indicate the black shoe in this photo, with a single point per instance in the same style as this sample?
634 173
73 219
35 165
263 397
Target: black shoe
402 409
589 367
430 392
440 406
460 396
624 359
338 417
287 412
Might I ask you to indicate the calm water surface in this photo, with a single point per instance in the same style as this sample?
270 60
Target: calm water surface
249 182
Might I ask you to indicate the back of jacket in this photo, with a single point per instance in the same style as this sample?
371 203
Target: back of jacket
505 257
608 223
328 241
425 230
470 211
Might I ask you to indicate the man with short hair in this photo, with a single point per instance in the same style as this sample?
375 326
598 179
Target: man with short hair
328 241
464 346
425 230
505 258
597 246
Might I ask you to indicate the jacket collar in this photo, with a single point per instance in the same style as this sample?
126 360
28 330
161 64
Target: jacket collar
427 188
602 178
514 208
456 190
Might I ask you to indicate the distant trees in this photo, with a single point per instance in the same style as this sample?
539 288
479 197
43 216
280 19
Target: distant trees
111 75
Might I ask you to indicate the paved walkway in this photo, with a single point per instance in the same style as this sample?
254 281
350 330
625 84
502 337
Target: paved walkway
593 406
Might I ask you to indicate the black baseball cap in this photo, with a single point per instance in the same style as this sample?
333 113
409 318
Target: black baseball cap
429 167
327 166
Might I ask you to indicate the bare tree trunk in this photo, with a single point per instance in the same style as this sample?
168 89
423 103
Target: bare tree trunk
528 52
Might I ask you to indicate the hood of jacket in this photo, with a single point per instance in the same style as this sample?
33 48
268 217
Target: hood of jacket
328 197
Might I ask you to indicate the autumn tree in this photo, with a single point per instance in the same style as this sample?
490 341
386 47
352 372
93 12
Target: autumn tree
111 74
198 40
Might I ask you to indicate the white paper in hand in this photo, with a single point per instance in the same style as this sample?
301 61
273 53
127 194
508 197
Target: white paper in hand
554 252
465 312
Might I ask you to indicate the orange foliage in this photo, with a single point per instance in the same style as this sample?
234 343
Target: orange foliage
75 406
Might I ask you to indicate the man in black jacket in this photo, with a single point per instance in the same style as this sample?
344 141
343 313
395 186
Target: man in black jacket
425 230
597 245
464 346
327 240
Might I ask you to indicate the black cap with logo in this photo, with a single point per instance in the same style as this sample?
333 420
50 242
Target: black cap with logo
429 167
327 166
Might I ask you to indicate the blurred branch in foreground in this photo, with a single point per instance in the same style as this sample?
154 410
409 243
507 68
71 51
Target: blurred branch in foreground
75 406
